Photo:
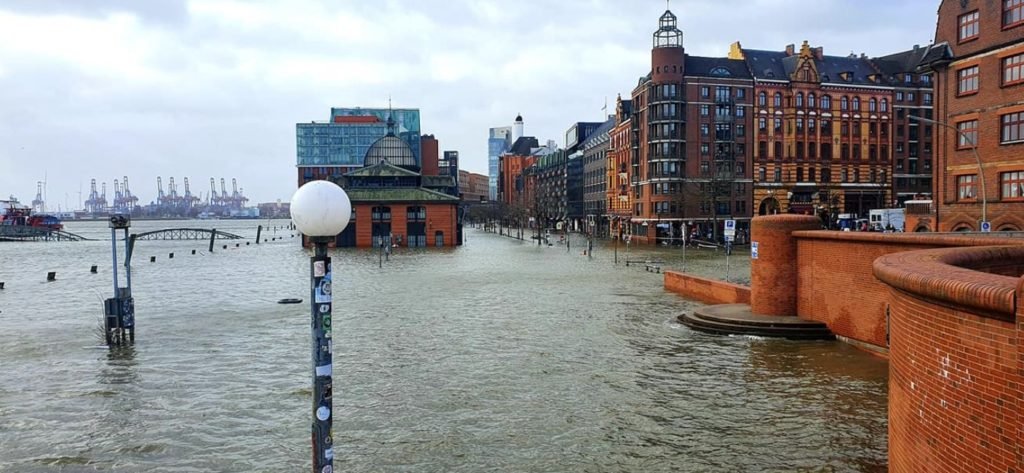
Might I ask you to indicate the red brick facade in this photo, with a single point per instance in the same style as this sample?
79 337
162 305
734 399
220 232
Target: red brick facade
956 368
986 102
708 291
441 220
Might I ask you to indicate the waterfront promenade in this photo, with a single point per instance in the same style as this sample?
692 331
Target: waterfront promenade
495 356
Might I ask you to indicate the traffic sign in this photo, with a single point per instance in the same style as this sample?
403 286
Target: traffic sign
730 227
986 227
729 238
753 250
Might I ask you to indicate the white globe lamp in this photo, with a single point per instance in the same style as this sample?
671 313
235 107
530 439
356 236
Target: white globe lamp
320 209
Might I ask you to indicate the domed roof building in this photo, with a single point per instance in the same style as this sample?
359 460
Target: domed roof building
392 149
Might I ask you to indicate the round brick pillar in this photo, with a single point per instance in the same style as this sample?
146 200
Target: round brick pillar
773 275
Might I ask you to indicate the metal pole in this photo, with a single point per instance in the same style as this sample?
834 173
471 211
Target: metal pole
127 261
113 255
727 264
213 234
320 312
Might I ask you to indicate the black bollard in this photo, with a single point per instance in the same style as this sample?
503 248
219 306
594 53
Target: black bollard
51 276
225 247
92 269
236 245
1 284
170 256
152 259
193 251
246 243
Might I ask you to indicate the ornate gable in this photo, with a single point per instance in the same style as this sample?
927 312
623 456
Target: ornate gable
806 69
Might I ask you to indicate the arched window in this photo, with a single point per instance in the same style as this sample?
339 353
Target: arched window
810 100
856 104
777 100
844 103
872 105
826 102
885 105
762 98
799 100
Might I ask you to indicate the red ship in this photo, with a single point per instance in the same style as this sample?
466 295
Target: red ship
13 213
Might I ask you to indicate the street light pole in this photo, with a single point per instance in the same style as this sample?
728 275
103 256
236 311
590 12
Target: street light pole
321 210
977 158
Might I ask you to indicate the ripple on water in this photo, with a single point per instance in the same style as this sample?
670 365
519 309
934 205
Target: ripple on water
497 356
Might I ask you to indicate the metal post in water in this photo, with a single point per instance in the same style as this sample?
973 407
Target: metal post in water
259 230
213 234
320 312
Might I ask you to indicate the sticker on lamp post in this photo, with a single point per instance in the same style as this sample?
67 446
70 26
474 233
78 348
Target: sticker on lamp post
753 250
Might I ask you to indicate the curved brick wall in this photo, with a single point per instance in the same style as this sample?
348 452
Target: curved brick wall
773 275
956 372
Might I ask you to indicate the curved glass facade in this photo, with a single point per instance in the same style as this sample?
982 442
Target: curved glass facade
345 139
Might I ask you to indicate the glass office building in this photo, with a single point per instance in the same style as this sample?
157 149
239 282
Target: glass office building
497 143
342 141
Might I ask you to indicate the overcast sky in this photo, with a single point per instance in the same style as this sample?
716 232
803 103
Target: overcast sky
213 88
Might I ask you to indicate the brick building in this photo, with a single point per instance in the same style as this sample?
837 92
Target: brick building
620 146
822 132
473 187
510 169
912 150
978 64
690 163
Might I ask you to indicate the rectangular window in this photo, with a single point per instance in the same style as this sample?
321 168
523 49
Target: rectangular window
1013 185
1013 127
777 176
927 97
705 110
967 80
968 136
899 96
705 149
762 124
1013 69
762 173
1013 13
966 187
778 125
969 26
705 92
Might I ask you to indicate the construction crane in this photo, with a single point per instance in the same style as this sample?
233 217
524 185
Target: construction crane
38 205
95 203
224 197
161 199
190 200
212 198
130 201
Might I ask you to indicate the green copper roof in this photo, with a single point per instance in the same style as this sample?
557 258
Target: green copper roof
398 194
381 169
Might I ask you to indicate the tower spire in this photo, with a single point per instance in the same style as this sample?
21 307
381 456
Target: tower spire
391 117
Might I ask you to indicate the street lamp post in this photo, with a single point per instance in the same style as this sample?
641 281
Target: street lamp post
977 158
320 210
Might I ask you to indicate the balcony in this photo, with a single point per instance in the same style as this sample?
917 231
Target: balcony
725 99
724 118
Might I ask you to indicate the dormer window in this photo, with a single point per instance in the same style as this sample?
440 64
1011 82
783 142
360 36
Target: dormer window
847 76
908 78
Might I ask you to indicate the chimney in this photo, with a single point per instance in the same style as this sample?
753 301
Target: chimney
819 53
916 47
790 49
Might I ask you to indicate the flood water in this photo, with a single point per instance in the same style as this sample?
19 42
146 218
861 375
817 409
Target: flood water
496 356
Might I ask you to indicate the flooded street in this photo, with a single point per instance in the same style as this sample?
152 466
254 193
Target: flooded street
496 356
